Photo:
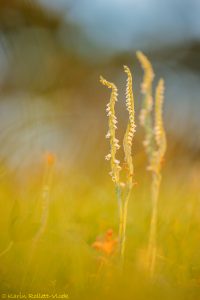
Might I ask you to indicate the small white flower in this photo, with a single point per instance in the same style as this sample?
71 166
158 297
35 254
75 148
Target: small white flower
108 157
108 135
111 174
117 161
132 129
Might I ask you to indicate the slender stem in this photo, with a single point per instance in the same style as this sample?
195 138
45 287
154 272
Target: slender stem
123 207
124 221
120 205
152 249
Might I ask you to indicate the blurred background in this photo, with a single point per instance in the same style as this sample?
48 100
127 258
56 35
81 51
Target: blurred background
52 53
51 56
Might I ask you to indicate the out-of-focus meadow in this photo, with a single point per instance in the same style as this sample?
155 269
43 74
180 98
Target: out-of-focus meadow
56 197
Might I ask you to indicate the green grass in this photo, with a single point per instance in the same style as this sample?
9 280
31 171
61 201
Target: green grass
82 208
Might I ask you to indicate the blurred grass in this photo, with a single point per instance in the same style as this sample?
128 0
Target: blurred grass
82 207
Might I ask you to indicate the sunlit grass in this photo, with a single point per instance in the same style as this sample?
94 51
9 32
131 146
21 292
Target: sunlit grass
65 259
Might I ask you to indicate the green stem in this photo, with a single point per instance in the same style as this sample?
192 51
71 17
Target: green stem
123 207
152 248
120 204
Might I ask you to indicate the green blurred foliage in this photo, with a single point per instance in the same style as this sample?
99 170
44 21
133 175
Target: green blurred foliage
80 210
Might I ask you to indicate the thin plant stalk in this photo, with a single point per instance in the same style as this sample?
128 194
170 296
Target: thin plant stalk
156 164
152 247
123 190
122 227
155 146
122 222
127 145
